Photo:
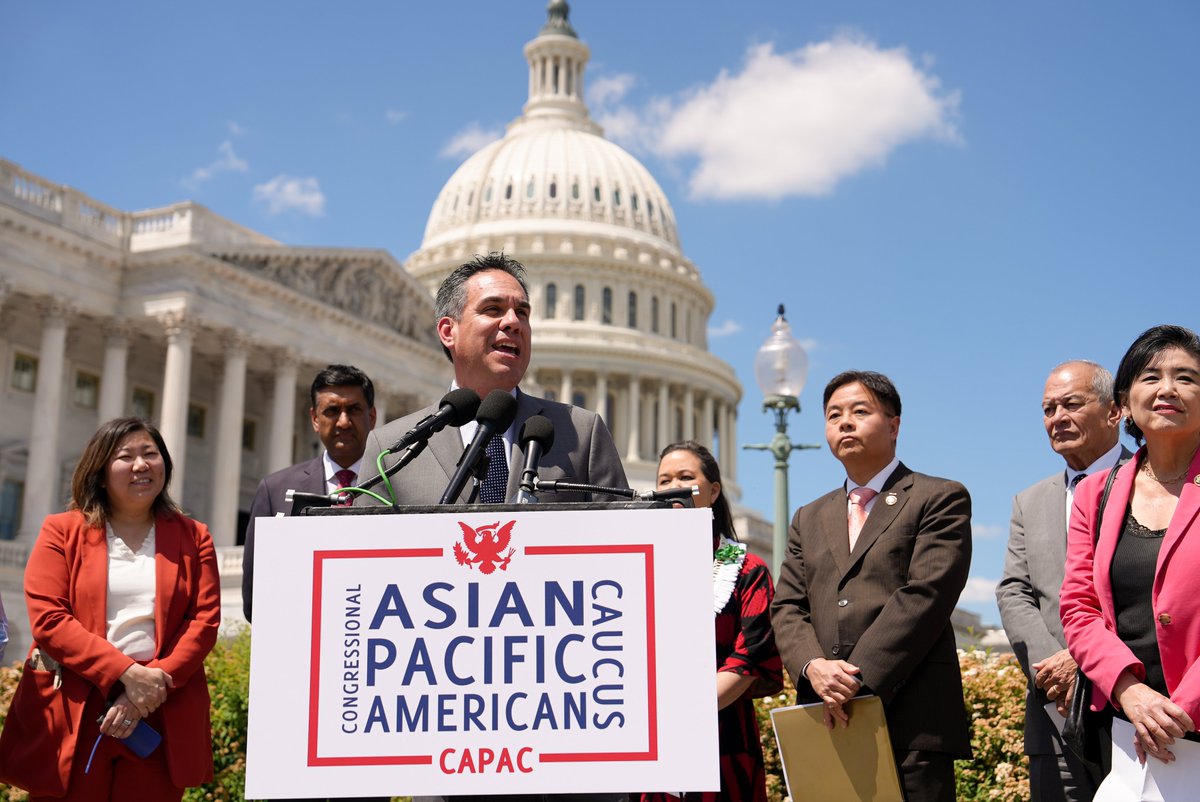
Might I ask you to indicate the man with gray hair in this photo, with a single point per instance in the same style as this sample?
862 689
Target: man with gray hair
1082 421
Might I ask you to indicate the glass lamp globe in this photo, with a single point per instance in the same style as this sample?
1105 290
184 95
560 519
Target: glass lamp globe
781 365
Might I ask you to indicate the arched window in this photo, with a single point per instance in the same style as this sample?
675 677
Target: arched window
616 197
487 194
575 191
553 189
470 197
632 310
579 302
596 193
606 306
551 300
579 399
633 201
508 191
674 321
654 315
529 189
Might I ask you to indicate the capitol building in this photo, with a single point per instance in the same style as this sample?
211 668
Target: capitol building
215 331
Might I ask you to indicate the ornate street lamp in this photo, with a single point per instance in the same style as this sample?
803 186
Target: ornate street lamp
781 368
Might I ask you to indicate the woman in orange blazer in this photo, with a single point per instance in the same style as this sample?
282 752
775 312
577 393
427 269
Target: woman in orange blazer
124 604
1129 605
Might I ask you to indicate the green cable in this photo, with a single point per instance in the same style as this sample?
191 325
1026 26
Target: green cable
364 491
387 482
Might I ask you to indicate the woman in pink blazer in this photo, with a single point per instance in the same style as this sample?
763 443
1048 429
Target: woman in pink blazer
124 604
1130 604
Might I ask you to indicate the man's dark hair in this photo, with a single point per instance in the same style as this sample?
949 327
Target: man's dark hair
1144 350
877 384
342 376
452 294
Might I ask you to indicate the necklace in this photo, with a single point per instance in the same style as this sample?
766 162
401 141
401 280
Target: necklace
1146 469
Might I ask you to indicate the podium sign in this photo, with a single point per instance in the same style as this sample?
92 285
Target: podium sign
483 652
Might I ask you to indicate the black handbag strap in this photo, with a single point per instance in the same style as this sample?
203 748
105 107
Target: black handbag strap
1112 475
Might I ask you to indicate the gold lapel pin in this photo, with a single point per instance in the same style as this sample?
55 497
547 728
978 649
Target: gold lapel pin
890 499
1196 481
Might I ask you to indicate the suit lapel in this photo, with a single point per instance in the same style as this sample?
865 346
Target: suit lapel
447 447
314 476
837 530
166 574
884 513
91 598
1110 532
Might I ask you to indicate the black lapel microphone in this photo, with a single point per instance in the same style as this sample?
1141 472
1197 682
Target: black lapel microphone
496 414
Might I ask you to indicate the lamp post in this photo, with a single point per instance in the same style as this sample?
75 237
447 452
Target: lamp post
780 368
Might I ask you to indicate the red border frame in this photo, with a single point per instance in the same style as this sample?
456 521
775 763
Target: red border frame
319 557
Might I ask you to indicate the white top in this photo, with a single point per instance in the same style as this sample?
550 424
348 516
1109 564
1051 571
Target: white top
331 468
1107 460
467 430
875 484
131 585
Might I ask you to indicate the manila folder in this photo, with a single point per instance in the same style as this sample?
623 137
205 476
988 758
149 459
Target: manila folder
855 762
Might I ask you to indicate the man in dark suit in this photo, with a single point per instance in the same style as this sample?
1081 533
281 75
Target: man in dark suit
342 408
1083 424
483 324
872 573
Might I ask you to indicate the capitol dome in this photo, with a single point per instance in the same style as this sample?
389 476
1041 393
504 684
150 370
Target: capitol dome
619 312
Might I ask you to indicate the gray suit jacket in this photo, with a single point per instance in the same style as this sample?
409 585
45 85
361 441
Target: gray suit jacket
583 451
885 607
1028 593
309 477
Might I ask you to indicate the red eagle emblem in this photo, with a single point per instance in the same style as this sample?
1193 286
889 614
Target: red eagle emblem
484 547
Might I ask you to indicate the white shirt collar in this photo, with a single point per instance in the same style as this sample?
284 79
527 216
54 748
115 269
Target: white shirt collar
1107 460
332 468
467 430
878 480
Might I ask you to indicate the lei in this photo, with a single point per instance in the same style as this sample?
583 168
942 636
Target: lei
727 564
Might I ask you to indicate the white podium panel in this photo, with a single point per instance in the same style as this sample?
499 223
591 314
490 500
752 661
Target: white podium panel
479 653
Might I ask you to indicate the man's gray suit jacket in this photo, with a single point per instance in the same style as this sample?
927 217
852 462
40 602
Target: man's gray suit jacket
583 451
269 499
1028 593
886 606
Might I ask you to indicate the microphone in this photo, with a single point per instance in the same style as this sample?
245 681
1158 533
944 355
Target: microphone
496 414
670 494
456 408
537 436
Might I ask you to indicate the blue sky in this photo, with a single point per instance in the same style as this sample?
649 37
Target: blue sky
957 194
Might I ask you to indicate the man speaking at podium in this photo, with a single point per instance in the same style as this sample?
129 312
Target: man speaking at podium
483 323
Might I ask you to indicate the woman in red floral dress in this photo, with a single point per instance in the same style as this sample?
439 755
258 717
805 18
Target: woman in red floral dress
748 664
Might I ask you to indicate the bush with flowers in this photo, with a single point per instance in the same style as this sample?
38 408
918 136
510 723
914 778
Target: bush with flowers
993 690
994 694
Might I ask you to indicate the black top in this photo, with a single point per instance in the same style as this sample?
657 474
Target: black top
1133 566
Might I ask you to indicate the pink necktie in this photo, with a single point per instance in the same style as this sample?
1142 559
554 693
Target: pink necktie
344 478
859 498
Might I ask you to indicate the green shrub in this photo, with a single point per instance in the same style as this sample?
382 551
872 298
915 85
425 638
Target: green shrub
993 690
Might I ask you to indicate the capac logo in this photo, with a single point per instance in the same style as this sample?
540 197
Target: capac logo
484 546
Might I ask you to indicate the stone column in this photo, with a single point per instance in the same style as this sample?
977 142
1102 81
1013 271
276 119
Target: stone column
177 376
706 424
227 461
633 448
283 413
664 416
723 435
41 473
602 398
689 413
566 388
113 382
729 467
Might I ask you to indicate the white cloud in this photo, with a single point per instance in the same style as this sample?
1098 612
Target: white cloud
725 329
226 162
469 140
609 89
393 116
234 128
288 193
795 123
988 531
979 589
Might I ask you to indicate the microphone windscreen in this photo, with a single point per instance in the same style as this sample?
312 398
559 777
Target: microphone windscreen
465 404
540 430
499 410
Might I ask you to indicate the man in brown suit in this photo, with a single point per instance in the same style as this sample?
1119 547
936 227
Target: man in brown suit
872 573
